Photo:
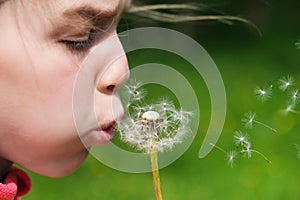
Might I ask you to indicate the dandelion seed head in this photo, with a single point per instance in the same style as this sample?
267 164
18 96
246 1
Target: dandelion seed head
285 82
159 126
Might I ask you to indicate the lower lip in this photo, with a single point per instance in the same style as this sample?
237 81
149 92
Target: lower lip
108 134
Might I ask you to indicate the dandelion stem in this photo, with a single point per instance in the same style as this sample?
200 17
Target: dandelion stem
269 127
262 155
155 175
217 147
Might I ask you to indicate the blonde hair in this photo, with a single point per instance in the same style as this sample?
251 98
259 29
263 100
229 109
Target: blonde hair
161 12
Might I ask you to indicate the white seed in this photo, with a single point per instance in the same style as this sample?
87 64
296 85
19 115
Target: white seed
150 115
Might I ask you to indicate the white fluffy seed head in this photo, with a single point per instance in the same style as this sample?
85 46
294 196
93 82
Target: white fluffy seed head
146 126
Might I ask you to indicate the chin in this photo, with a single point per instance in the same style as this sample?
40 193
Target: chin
59 167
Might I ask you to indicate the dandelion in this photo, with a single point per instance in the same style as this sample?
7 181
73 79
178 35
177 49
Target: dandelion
248 152
249 119
156 126
230 156
285 82
153 128
294 96
240 139
263 94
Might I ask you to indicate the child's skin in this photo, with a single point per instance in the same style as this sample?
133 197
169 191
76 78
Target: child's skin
43 43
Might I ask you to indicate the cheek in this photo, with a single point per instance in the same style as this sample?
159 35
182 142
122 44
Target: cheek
45 96
36 112
55 74
54 83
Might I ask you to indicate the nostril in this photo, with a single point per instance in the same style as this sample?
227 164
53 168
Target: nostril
110 88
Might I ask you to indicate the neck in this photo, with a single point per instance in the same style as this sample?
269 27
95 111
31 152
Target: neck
4 167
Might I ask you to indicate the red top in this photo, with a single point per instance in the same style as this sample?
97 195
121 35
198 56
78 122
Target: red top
16 184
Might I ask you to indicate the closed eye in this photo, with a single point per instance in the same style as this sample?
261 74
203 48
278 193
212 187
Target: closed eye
90 23
83 43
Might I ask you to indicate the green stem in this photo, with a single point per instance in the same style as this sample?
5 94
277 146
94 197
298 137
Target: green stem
155 175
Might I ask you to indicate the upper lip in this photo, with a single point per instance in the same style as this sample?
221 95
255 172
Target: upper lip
108 126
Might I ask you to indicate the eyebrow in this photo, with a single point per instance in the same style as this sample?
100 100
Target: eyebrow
82 19
91 13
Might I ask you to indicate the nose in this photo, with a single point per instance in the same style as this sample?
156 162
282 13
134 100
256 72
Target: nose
115 74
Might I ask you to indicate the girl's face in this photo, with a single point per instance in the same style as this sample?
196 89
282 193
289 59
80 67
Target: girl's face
43 44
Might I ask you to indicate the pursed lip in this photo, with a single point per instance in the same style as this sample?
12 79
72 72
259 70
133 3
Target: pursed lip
107 130
109 127
103 132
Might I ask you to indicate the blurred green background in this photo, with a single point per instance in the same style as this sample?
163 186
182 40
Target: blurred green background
245 60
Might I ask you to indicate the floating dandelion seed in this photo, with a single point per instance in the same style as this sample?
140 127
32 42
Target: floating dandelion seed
263 94
250 119
248 152
294 96
230 155
240 138
285 82
247 149
157 126
290 109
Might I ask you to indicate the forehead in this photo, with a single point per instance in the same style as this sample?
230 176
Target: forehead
97 4
59 6
50 8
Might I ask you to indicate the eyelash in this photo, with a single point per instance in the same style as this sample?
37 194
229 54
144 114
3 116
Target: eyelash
82 46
